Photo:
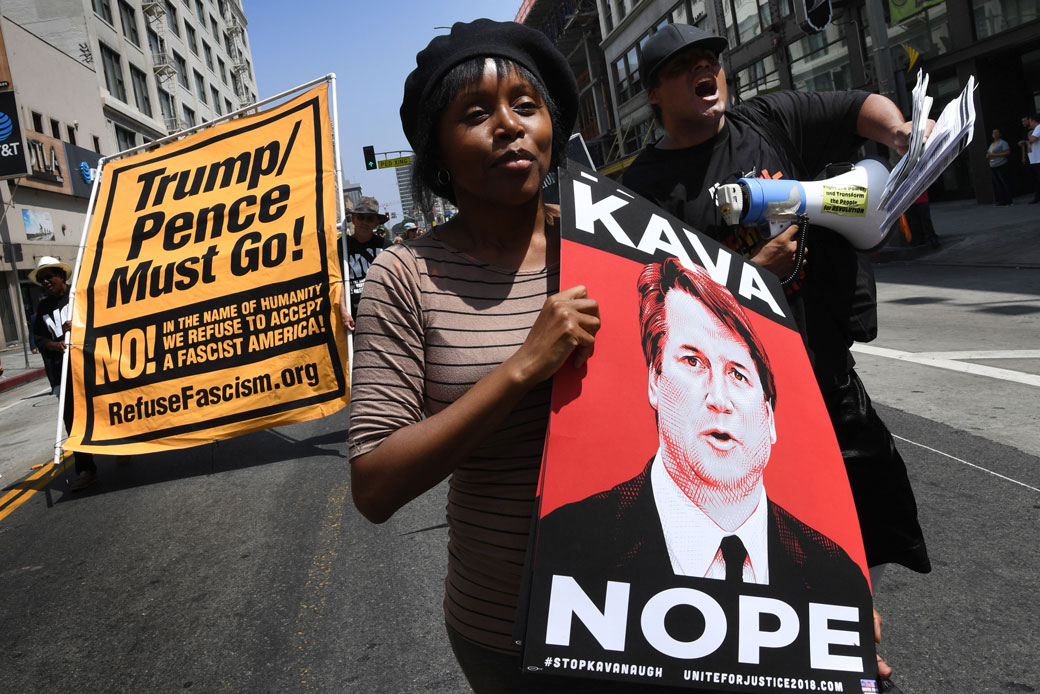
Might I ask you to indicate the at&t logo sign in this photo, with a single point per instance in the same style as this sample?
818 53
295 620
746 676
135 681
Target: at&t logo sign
7 149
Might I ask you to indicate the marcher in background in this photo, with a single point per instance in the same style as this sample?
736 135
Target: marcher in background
999 156
791 135
1032 142
362 248
52 323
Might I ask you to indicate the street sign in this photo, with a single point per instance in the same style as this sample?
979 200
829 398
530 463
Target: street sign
392 163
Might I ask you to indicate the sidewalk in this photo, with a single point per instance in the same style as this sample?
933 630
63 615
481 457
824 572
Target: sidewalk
15 370
978 235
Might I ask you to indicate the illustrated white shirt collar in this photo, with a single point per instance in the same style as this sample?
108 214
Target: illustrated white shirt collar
693 538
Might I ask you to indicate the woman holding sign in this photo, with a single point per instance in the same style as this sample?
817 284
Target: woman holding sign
462 329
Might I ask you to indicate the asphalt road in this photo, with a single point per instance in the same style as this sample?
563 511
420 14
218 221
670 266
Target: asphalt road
243 566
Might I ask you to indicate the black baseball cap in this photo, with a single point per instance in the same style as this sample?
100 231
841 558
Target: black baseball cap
673 39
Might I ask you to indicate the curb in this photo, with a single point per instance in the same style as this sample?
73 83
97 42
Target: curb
21 378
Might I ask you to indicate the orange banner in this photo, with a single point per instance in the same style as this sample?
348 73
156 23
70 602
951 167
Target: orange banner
206 305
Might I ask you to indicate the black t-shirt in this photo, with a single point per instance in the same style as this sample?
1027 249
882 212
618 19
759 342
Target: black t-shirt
778 135
360 257
51 314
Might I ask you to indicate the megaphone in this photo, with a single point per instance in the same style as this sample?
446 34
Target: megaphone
846 203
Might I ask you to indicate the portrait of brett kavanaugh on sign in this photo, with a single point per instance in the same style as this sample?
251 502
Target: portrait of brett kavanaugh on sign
696 527
207 300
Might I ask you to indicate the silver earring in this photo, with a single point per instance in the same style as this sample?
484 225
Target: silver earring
443 177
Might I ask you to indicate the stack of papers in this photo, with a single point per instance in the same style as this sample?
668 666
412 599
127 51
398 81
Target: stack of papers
925 160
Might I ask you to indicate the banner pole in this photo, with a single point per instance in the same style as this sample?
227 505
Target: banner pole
72 307
217 121
340 218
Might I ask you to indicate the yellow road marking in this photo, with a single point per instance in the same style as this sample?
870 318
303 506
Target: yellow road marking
29 486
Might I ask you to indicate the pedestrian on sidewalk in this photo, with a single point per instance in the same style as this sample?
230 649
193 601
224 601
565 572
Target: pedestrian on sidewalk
52 324
998 155
1032 142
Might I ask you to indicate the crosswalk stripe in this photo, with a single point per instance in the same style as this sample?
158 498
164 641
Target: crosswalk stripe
954 365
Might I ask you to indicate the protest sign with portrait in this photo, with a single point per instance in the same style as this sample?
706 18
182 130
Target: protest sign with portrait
206 304
696 526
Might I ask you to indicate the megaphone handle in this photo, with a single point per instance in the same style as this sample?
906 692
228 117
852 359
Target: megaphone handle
799 253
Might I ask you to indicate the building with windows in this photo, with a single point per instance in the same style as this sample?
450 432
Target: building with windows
166 65
409 205
877 46
574 27
95 77
160 65
63 130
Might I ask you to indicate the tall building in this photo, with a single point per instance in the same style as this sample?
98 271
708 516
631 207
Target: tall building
409 205
95 77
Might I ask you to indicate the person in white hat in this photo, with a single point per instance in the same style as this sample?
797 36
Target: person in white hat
52 323
362 248
48 328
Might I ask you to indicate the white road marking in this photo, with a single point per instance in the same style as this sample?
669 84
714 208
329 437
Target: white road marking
945 362
19 402
977 467
984 354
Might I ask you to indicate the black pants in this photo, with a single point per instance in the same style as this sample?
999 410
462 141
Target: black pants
881 489
52 367
1002 184
84 461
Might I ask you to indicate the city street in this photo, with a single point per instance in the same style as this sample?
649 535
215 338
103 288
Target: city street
193 194
243 566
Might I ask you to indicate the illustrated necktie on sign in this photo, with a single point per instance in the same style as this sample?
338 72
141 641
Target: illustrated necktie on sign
733 553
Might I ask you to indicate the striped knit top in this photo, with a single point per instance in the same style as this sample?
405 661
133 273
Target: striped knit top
433 322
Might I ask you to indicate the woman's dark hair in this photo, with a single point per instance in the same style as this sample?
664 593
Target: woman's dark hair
424 163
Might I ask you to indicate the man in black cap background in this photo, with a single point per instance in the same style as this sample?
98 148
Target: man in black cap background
791 135
362 248
51 325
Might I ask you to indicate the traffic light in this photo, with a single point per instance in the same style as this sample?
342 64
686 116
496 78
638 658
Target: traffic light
813 15
370 158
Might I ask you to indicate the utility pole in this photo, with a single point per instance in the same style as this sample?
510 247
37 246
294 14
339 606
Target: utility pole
882 53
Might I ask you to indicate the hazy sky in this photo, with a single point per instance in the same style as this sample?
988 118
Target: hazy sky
371 46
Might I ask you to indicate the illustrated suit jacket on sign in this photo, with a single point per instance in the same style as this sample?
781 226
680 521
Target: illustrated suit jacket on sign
617 535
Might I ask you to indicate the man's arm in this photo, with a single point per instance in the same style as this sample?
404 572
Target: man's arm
881 121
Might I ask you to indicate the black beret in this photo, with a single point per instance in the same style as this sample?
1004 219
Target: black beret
484 37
